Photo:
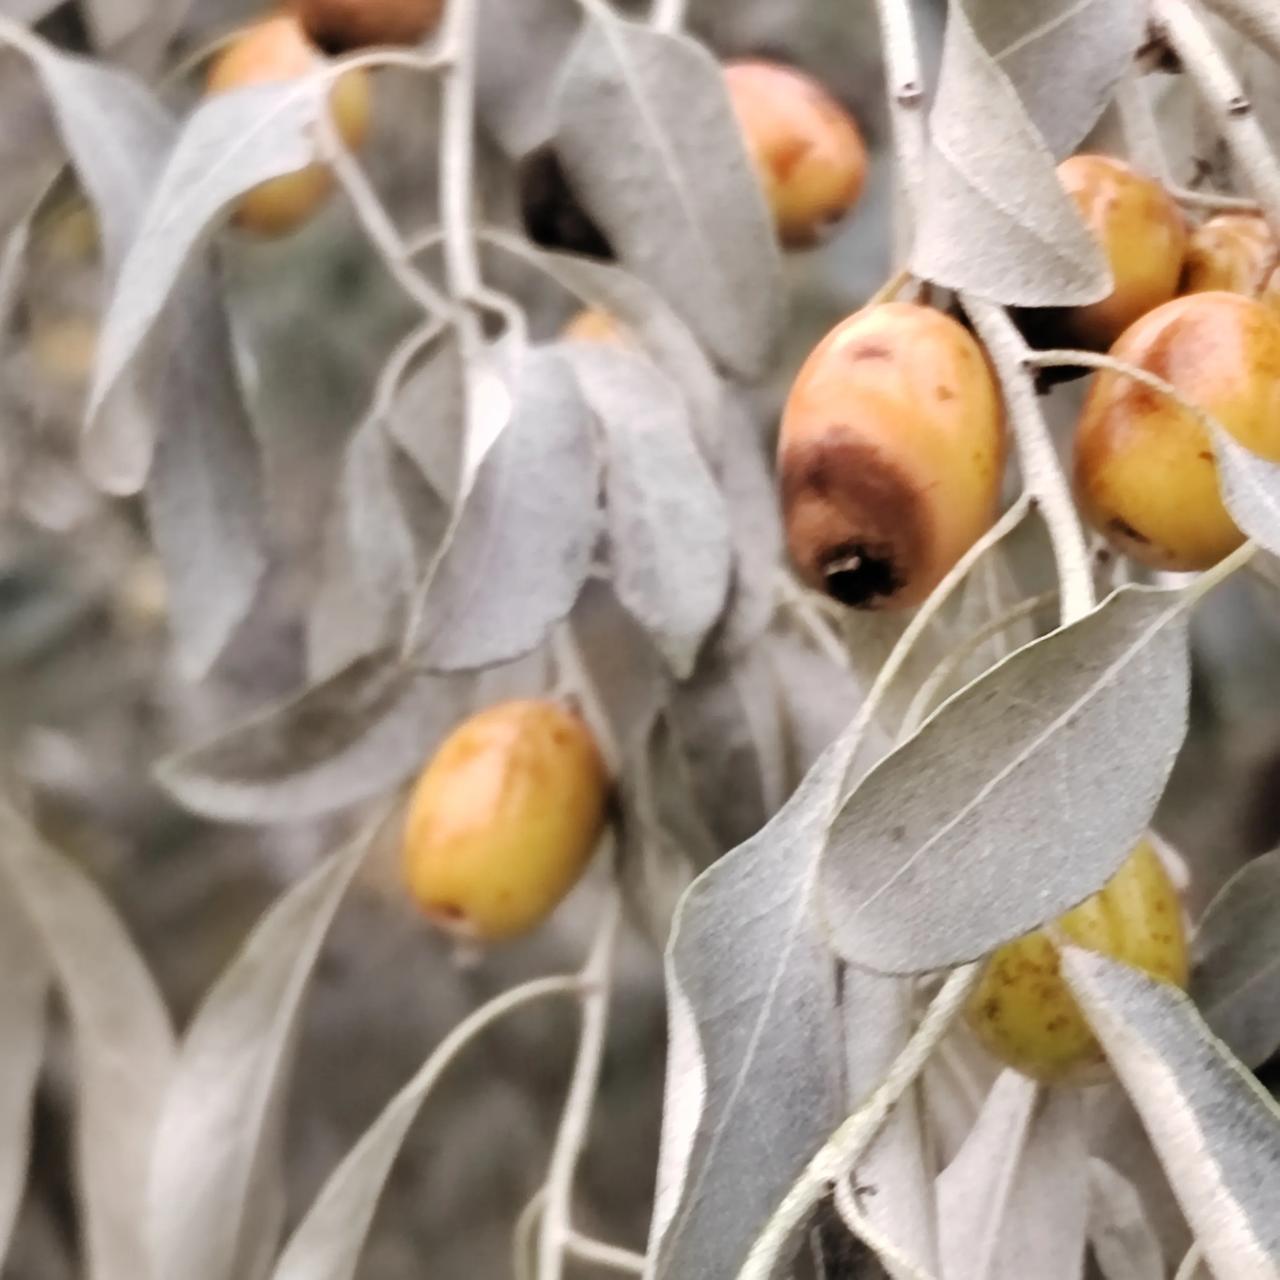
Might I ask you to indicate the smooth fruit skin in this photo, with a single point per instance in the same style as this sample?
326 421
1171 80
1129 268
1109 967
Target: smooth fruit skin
504 819
266 53
1145 474
807 149
338 25
1023 1010
1235 252
890 456
1143 234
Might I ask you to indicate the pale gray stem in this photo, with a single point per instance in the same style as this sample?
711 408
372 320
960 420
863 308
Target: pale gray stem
668 15
457 152
1259 20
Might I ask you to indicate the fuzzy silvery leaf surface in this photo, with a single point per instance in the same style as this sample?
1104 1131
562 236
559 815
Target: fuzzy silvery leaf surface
429 415
229 144
650 143
1014 1201
668 531
522 543
1123 1241
1216 1130
122 1041
1063 57
212 1211
1235 978
993 218
24 1015
1042 775
348 738
1251 490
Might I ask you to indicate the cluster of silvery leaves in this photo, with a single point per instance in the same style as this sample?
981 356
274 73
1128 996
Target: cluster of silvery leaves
496 498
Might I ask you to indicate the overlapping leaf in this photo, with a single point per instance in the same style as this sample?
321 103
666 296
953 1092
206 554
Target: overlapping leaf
649 140
1216 1130
1018 799
1123 1240
1251 489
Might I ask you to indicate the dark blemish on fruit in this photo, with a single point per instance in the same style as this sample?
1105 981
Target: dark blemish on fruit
1206 456
867 351
945 393
448 912
786 158
1126 530
991 1009
857 575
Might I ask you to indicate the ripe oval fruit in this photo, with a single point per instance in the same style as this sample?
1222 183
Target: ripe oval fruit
504 818
276 50
1145 474
1023 1010
1143 234
1235 252
338 25
807 149
890 456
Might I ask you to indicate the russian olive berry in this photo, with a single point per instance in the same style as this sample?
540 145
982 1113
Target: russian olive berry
1143 235
807 149
890 456
338 25
1235 252
504 818
593 324
1145 473
276 50
1023 1010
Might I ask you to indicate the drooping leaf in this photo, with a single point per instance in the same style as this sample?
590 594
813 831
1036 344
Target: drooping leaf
1064 58
522 544
363 730
1021 796
668 529
993 218
1123 1240
122 1040
231 143
647 135
1251 490
24 996
1014 1201
1235 979
1215 1128
211 1212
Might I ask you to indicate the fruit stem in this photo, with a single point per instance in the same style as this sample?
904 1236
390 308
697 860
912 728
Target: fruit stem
668 15
862 1228
1212 201
1223 96
1190 1267
457 151
1259 20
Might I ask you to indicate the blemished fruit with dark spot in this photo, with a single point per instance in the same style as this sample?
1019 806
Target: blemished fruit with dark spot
890 456
266 53
1142 233
1145 472
807 149
338 25
1235 252
503 820
1022 1009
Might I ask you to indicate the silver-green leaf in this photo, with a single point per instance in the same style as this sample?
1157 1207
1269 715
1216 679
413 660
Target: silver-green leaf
1250 488
1021 796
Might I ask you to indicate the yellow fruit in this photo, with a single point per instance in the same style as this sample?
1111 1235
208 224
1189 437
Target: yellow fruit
1143 235
1235 252
266 53
1023 1010
807 148
1145 473
595 325
890 456
504 819
339 25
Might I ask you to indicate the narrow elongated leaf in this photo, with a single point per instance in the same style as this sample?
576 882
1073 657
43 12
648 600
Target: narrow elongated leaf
231 143
668 529
1021 796
1251 489
522 544
217 1153
1064 58
647 135
1216 1130
1123 1240
1235 980
122 1039
24 995
361 731
1013 1202
758 1088
993 218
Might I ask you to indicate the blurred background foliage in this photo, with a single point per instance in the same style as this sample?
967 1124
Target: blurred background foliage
89 698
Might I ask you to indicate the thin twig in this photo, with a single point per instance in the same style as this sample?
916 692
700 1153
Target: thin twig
1259 20
862 1228
669 15
798 602
457 152
1191 1265
1212 201
1184 27
524 1236
585 1249
556 1225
